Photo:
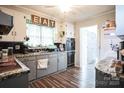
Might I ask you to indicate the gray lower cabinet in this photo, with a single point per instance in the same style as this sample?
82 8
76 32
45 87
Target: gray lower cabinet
62 60
32 66
42 72
52 63
30 62
57 61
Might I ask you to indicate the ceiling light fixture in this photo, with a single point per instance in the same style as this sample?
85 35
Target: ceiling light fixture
65 8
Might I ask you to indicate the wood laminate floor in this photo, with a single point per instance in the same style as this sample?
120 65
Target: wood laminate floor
70 78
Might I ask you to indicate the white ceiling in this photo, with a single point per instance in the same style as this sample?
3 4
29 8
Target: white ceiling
77 12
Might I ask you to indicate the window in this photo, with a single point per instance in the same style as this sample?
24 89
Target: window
39 35
47 36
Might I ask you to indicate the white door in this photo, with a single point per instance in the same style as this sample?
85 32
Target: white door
83 47
88 44
88 55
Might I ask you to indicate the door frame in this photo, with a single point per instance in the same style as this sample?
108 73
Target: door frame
98 41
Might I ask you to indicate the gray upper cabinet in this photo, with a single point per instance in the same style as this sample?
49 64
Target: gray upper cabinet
62 60
119 20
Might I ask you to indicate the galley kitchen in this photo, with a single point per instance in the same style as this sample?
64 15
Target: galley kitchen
49 46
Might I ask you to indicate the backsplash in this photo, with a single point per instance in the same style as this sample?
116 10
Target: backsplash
18 47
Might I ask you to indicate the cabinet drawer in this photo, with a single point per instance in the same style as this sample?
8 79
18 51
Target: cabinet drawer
41 57
52 55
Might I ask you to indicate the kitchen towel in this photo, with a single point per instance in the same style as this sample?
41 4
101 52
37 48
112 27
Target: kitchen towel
42 64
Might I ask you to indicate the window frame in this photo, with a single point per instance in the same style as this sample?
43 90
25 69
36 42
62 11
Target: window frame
41 35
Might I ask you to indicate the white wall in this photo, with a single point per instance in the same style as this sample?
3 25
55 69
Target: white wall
98 20
29 12
108 39
70 30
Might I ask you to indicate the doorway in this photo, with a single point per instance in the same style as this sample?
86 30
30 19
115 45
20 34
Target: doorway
88 55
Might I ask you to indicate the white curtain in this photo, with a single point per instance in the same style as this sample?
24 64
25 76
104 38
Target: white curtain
39 35
47 37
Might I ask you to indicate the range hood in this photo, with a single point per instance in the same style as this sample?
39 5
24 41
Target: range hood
6 23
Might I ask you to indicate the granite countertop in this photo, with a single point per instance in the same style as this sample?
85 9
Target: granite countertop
39 53
23 69
105 66
33 54
16 72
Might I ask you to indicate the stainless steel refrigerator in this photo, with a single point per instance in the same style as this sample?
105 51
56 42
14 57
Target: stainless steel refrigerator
70 48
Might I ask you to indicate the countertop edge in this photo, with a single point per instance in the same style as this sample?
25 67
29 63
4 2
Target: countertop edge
38 53
104 66
16 72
